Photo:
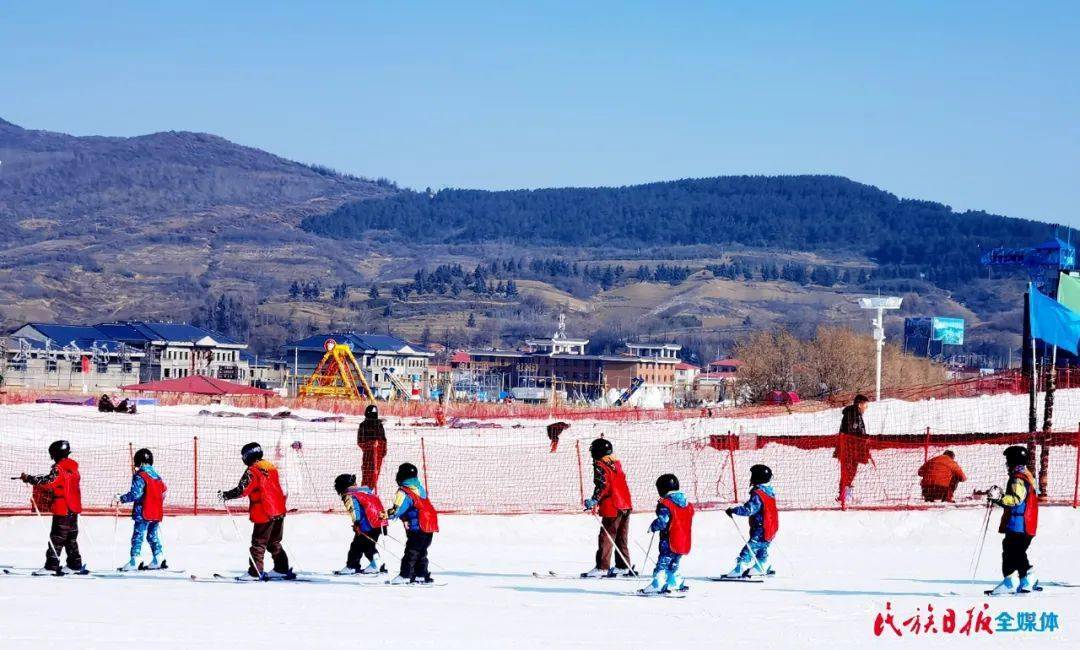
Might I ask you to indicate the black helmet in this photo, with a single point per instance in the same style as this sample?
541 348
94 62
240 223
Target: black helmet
405 472
760 474
251 453
371 412
344 482
1016 455
600 448
144 457
59 450
667 483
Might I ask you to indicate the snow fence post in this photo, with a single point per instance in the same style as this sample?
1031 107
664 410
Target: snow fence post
195 474
423 463
926 446
731 457
580 471
131 454
1076 472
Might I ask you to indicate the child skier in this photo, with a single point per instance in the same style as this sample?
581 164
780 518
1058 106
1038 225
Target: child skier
62 485
1019 521
147 493
412 507
764 523
266 510
611 498
369 520
674 521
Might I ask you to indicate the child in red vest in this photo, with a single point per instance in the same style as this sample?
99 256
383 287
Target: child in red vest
611 499
147 493
674 521
1019 522
65 495
369 522
764 523
266 510
412 507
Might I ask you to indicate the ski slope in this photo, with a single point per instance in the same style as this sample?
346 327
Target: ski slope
837 570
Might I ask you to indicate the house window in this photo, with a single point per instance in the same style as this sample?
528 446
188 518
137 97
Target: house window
50 364
126 367
165 373
101 367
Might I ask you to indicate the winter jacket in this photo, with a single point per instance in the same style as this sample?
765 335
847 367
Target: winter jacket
62 482
610 490
404 507
753 508
362 505
261 485
370 430
663 521
137 493
941 471
851 421
1021 503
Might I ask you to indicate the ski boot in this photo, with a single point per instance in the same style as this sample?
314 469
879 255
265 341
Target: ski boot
49 571
616 572
348 571
1007 585
423 580
652 589
595 572
132 565
375 566
400 580
287 574
1028 584
740 571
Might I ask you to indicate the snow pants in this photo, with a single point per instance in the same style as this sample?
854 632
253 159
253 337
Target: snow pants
414 561
149 531
755 555
1014 558
666 574
371 464
267 537
613 528
363 546
64 536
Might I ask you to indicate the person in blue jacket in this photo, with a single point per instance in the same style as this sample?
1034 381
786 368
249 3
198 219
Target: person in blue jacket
368 523
147 494
674 521
764 524
412 507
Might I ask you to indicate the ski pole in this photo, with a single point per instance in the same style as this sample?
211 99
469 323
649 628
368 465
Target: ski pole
403 545
746 545
232 518
52 547
645 562
611 539
977 559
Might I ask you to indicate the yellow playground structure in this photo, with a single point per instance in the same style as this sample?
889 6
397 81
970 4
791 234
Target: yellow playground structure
337 375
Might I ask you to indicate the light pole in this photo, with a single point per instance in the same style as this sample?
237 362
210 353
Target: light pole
879 304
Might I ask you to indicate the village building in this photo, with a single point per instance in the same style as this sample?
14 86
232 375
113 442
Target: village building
393 367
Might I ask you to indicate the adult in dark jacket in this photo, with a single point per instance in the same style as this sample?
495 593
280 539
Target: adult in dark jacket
852 445
371 438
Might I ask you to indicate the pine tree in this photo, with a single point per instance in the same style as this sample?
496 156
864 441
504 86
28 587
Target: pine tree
472 320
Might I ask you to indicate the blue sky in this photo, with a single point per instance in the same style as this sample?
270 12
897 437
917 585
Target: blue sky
975 104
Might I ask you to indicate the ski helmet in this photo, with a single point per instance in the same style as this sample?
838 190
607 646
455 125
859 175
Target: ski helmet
760 474
144 457
1016 455
404 472
251 453
667 483
600 448
59 450
371 412
344 482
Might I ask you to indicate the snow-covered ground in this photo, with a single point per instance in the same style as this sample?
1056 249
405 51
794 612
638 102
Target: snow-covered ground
837 571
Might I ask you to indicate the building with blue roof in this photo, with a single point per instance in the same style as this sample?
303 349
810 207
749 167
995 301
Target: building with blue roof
55 356
392 366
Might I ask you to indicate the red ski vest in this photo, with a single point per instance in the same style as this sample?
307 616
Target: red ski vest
426 515
153 505
266 498
67 496
1029 509
680 529
770 519
373 508
616 494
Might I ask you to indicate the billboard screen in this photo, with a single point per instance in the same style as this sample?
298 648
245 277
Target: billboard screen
949 331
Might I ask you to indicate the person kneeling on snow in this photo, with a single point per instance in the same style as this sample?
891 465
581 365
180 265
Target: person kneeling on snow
266 510
674 521
369 521
1018 523
412 507
764 523
147 493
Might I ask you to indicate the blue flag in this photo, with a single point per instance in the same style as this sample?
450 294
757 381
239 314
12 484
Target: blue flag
1053 322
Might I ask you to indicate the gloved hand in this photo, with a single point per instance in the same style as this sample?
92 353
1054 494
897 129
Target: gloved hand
590 503
116 500
994 494
24 477
656 526
730 512
221 495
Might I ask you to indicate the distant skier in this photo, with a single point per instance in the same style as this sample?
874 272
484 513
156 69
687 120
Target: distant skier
266 510
65 494
940 476
764 524
852 445
611 499
371 438
369 522
1019 522
147 493
412 507
674 521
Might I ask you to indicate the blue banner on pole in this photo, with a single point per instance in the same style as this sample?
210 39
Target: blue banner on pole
1053 322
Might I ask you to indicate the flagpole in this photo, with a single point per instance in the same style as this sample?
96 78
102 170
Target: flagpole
1033 409
1048 423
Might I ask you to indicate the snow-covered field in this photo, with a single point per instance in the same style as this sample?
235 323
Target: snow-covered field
837 571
